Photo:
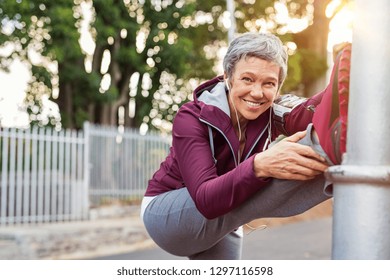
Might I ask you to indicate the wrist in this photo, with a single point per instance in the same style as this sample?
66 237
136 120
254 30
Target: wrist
259 168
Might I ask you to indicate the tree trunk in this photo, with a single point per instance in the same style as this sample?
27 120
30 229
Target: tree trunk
92 112
315 39
65 104
105 114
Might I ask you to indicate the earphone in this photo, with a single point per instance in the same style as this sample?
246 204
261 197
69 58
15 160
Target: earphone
235 110
238 120
268 141
227 84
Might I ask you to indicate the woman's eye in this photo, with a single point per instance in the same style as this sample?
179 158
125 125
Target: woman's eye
271 84
246 79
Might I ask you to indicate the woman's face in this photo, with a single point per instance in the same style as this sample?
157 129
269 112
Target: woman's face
253 87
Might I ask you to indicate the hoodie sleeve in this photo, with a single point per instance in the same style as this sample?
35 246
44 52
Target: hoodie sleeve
213 195
301 116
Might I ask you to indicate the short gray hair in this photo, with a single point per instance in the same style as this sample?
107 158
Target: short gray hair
261 45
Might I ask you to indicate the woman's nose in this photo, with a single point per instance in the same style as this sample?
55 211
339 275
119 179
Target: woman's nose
257 92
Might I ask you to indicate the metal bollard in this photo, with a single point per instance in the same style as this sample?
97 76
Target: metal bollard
361 213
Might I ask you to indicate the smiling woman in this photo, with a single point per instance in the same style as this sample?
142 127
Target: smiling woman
220 173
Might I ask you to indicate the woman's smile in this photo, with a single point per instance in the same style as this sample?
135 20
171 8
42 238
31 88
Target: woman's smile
254 104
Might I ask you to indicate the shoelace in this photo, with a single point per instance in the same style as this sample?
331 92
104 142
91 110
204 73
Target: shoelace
252 229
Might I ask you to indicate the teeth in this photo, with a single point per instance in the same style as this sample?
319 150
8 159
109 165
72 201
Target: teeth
253 104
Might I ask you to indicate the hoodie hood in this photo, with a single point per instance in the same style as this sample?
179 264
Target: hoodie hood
217 97
213 93
211 98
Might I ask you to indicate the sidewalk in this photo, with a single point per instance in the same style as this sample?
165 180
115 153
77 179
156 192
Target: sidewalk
102 235
118 233
303 240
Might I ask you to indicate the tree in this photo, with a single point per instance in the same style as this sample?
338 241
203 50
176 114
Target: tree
143 41
312 45
146 56
308 63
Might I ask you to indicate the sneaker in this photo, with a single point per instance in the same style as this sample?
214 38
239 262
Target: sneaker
330 119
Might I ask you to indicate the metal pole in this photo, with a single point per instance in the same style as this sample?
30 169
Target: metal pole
232 28
361 217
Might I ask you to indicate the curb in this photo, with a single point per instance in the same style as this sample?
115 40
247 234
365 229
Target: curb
75 240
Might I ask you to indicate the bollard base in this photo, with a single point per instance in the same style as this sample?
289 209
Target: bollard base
361 224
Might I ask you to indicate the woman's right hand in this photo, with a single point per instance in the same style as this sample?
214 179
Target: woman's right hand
290 160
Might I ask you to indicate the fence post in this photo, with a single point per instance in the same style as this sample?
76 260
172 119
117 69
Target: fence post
361 224
4 175
85 192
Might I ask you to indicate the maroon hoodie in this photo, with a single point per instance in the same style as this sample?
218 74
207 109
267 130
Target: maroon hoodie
204 151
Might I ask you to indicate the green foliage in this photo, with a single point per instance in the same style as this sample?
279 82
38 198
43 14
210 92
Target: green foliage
81 116
294 75
181 43
312 66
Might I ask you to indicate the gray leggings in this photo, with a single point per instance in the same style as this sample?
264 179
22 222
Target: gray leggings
174 223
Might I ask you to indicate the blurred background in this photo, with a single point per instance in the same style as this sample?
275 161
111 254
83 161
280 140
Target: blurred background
133 63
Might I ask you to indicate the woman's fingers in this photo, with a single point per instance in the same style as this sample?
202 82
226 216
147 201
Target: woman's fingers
290 160
290 143
304 166
296 137
310 158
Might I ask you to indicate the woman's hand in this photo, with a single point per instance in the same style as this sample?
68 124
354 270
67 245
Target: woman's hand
290 160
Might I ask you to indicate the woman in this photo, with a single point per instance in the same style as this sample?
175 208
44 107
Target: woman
220 173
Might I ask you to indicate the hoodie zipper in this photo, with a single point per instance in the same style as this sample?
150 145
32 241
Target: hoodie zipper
227 140
257 141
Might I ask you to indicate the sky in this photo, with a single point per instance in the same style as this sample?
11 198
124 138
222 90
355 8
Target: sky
12 88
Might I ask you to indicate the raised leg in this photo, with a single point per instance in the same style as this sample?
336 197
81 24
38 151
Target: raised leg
330 118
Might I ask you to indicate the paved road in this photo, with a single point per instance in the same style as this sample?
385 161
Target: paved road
308 240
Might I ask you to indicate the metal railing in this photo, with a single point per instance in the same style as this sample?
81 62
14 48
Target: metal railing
122 162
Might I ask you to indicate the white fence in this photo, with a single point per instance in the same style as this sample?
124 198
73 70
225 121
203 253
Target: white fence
121 163
49 176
